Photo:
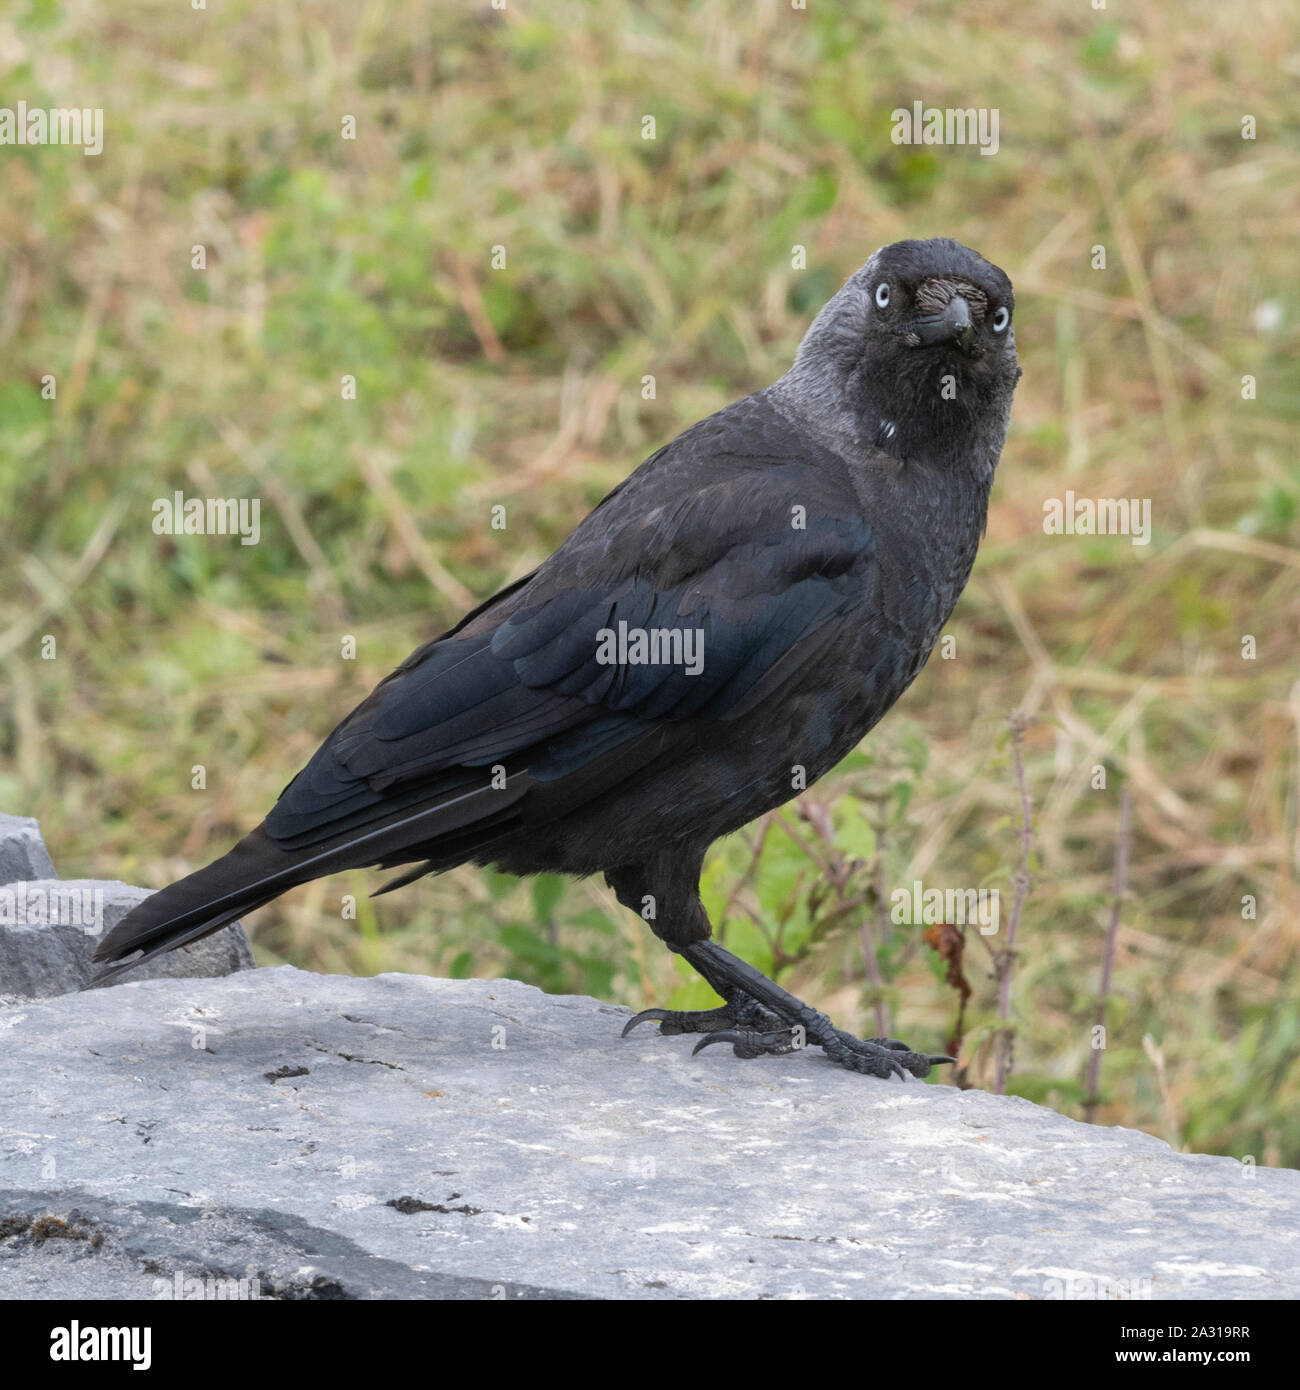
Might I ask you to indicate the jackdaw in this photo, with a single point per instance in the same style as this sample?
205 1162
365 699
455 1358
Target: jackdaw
720 631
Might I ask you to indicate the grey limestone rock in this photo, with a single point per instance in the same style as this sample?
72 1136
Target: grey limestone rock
49 928
323 1136
22 851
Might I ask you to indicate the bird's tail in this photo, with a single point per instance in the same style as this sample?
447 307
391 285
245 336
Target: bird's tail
253 873
461 820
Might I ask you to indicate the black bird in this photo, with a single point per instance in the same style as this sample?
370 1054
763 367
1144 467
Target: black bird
785 565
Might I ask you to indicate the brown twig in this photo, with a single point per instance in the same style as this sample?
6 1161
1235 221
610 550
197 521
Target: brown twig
874 927
1004 960
751 870
948 940
869 934
1108 953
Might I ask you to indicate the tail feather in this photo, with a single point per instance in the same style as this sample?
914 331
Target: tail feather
257 870
106 974
201 903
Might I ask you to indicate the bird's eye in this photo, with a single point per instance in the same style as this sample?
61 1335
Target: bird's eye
1001 319
882 295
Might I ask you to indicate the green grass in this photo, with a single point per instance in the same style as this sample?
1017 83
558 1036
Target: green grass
523 386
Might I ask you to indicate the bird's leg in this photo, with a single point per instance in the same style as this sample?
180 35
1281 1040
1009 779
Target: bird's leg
758 1018
798 1025
740 1012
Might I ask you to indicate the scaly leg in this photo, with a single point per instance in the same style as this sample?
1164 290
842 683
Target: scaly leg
762 1019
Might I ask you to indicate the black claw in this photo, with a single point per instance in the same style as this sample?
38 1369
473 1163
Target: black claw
645 1016
880 1057
748 1042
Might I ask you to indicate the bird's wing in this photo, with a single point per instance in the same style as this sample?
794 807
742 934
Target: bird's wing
751 565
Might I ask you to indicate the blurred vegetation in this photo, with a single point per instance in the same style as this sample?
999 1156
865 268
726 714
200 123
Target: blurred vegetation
521 128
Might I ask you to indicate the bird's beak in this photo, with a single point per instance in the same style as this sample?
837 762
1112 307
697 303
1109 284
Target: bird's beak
951 325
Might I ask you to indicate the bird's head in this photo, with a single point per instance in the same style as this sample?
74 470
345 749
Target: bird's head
915 351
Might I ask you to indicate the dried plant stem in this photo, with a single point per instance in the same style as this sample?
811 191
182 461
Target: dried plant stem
869 937
1005 959
1108 951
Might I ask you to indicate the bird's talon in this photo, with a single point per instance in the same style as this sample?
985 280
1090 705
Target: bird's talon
747 1043
645 1016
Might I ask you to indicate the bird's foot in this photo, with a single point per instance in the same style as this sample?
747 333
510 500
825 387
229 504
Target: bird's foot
743 1014
760 1019
883 1057
800 1025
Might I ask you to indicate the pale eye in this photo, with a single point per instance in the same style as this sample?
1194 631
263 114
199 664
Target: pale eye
1001 319
882 295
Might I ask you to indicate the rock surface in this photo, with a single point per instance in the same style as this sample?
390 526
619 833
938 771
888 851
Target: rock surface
45 949
408 1137
49 926
22 851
